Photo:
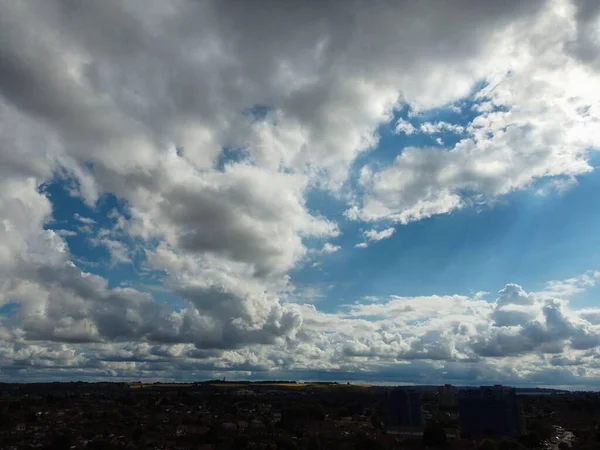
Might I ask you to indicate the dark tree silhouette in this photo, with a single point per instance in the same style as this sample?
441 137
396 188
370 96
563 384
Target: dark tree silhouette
434 435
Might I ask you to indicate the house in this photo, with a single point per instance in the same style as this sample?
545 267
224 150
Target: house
244 392
229 426
191 430
406 432
452 434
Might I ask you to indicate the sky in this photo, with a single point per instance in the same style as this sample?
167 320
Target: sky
388 191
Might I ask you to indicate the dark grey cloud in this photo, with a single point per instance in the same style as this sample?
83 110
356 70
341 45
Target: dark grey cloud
554 332
586 45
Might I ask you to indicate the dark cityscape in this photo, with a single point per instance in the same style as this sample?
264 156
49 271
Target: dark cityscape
290 415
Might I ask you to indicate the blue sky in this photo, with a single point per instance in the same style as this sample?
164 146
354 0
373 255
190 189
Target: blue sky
270 195
526 237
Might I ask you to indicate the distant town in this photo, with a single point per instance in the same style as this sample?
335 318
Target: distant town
289 415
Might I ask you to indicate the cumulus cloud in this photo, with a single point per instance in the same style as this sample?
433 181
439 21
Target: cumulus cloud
119 253
330 248
438 127
570 286
212 122
374 235
513 142
429 332
84 220
404 126
470 328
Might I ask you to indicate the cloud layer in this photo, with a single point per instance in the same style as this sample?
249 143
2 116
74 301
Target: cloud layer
213 122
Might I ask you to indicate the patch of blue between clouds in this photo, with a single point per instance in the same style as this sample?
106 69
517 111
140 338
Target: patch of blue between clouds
527 239
524 238
8 313
72 217
232 155
258 112
391 143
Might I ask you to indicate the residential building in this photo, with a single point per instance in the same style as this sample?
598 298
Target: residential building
490 410
452 434
448 396
402 407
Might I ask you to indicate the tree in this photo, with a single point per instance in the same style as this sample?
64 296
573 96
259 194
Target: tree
314 443
364 442
214 434
288 419
488 445
240 442
540 429
376 419
588 446
99 444
434 435
5 420
531 439
315 412
137 434
286 444
59 442
510 444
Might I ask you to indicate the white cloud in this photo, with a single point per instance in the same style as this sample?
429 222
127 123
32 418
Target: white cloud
374 235
119 253
592 315
438 127
330 248
423 334
404 126
571 286
66 233
84 220
513 142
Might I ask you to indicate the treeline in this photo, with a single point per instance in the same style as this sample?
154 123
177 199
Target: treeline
246 382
